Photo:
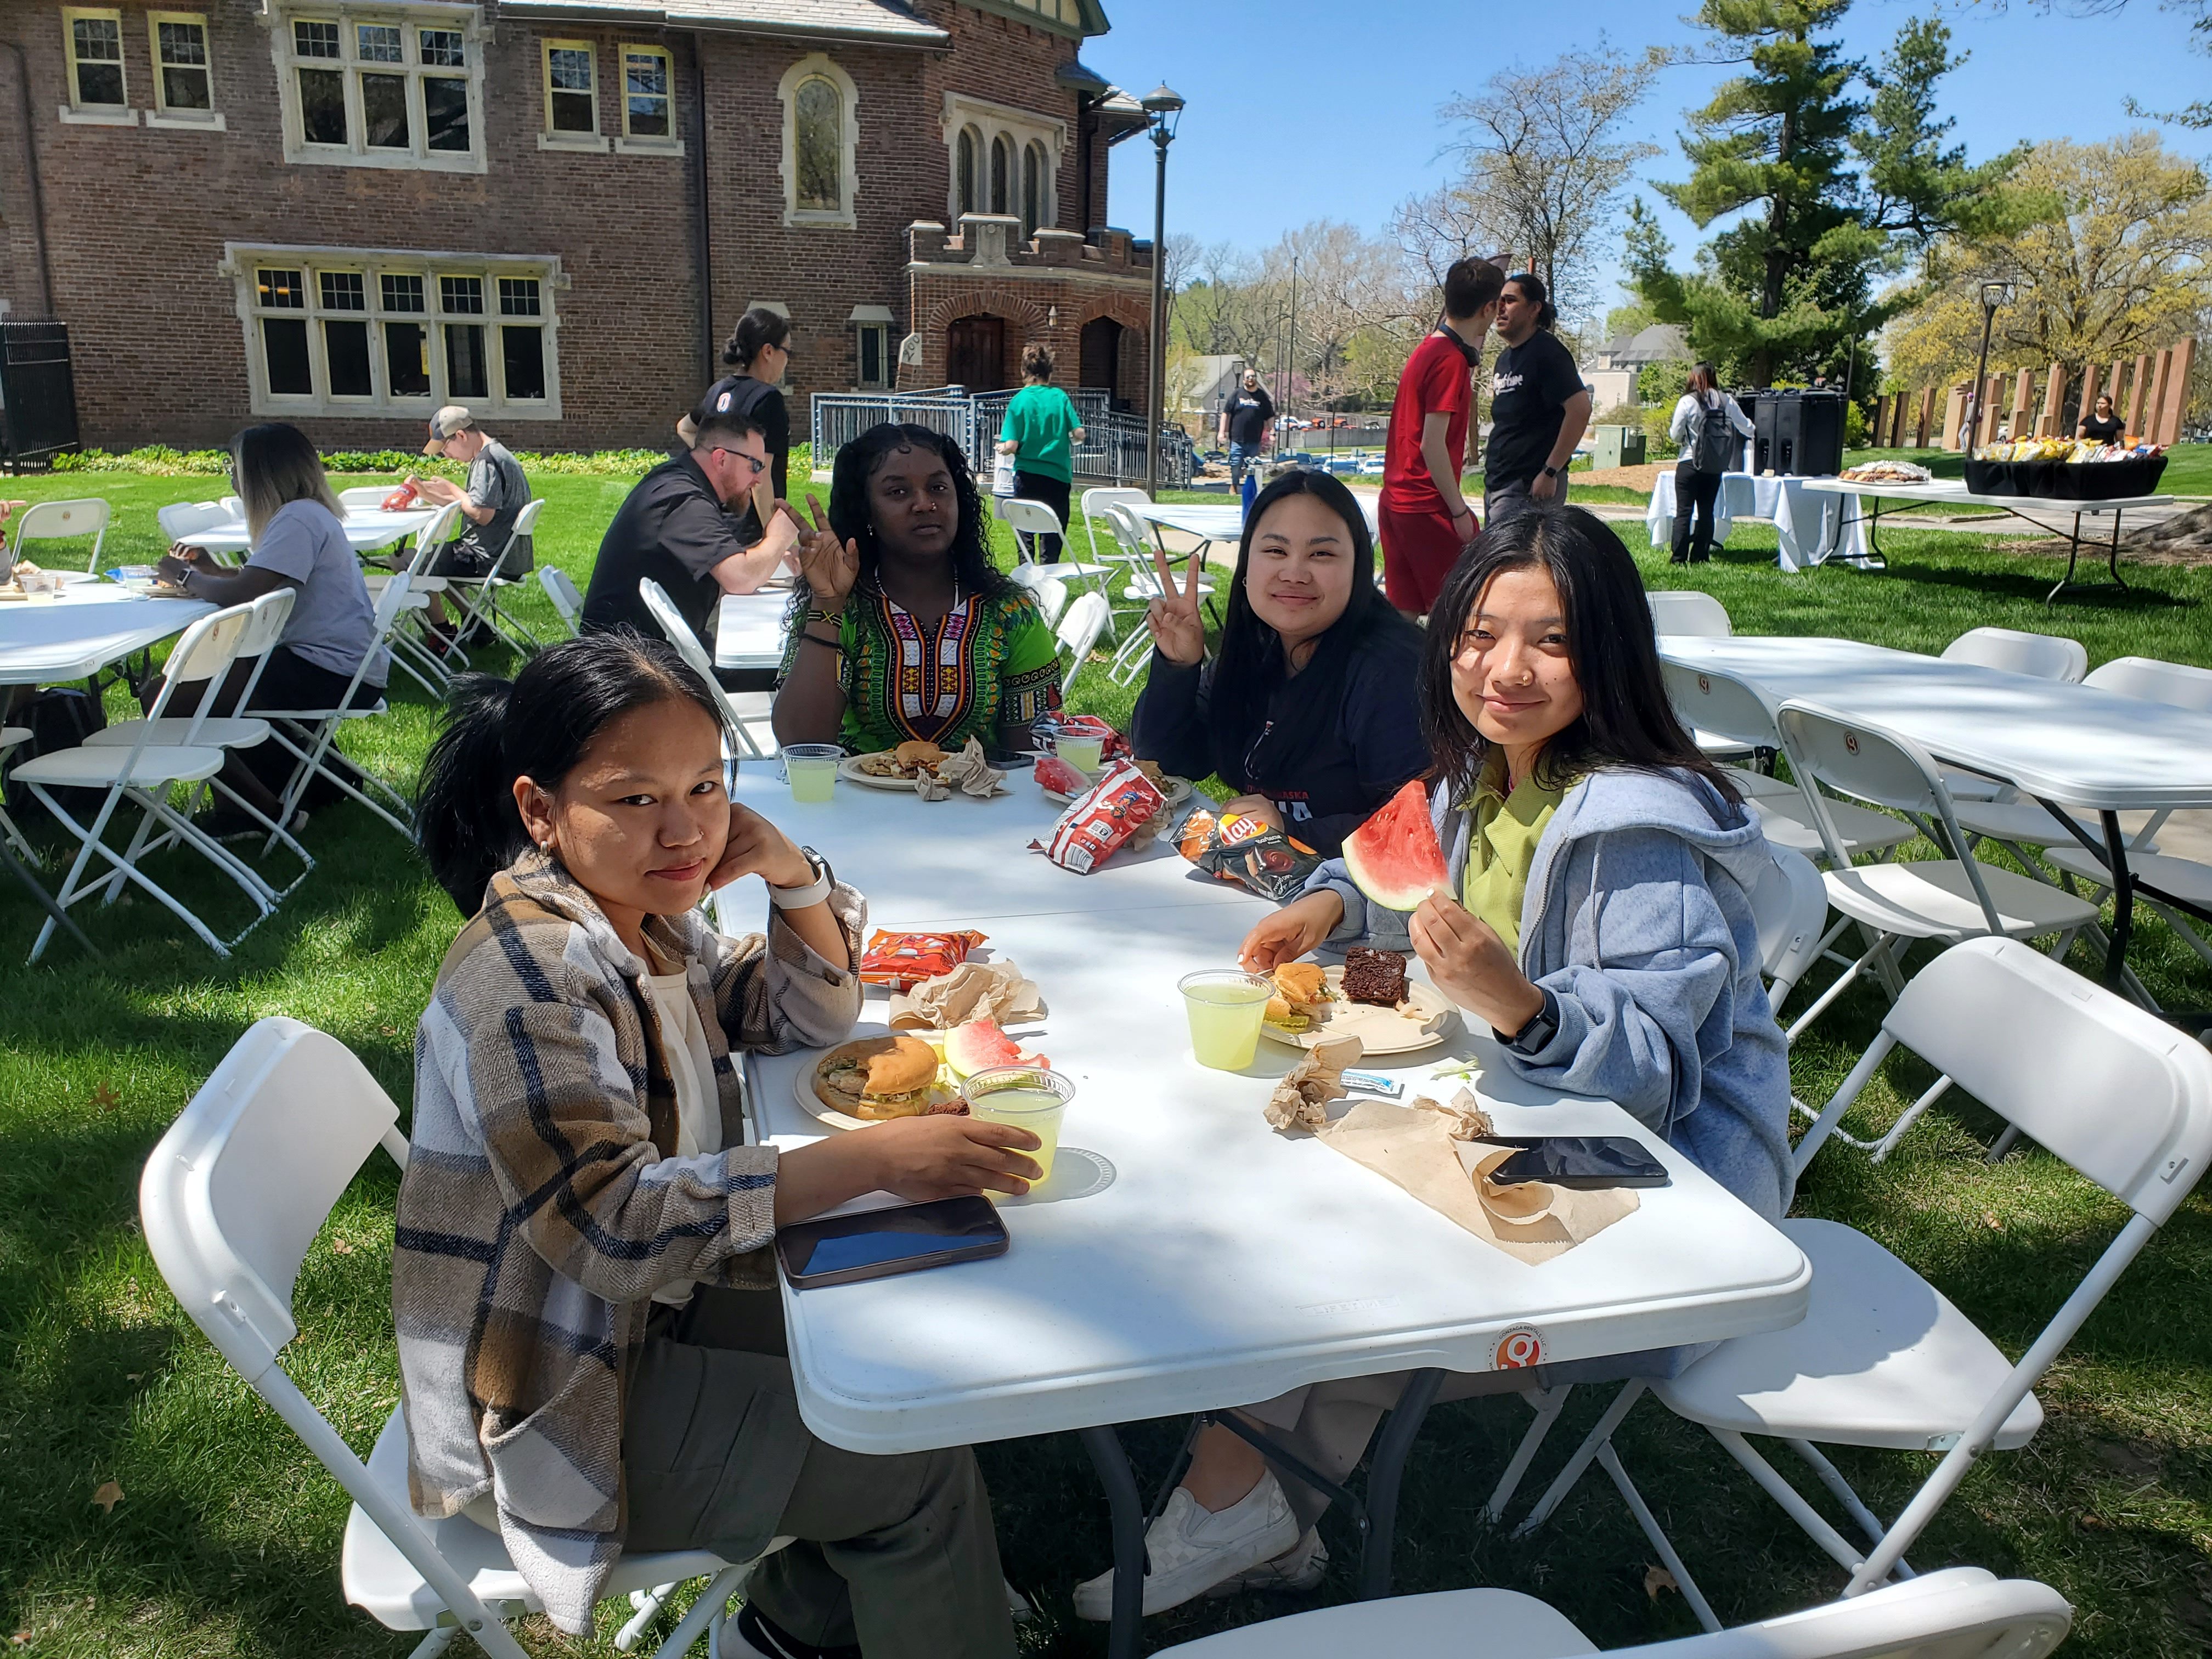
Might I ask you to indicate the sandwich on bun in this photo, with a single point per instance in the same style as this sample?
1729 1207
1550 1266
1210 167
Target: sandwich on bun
919 753
878 1077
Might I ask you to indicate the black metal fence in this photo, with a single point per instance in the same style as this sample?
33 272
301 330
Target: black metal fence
1112 450
38 392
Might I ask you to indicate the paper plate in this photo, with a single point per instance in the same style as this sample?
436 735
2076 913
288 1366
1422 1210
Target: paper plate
849 769
802 1083
1423 1020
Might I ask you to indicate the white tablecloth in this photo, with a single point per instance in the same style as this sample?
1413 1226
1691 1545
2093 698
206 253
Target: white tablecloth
366 530
1185 1255
1805 521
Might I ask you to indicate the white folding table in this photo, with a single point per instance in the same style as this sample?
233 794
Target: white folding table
366 530
2066 746
1809 530
1866 510
1220 521
1184 1256
749 630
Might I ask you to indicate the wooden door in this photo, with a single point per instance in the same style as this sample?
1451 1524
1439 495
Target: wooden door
976 353
1101 364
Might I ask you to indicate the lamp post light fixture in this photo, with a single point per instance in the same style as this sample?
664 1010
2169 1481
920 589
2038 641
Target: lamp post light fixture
1995 295
1163 109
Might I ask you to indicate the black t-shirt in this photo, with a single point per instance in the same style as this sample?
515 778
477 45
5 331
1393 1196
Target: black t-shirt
1529 388
671 528
1248 413
2107 431
741 394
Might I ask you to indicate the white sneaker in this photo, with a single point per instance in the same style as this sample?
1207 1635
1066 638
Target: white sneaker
1297 1568
1191 1549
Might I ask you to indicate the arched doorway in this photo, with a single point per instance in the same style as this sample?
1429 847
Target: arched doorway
976 353
1100 355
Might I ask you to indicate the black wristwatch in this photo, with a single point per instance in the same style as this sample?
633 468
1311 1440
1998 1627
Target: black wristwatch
1536 1036
1550 473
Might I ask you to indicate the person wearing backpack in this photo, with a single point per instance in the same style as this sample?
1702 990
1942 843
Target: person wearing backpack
1710 426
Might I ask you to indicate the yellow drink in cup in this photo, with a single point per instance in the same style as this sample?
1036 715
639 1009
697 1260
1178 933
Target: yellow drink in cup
1225 1007
1026 1097
1084 754
812 770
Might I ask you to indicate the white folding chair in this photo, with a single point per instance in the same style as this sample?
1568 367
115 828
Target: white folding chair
1116 556
64 521
365 498
1733 710
2043 656
1963 1613
480 595
138 772
265 628
309 735
1948 899
182 520
567 603
231 1199
755 706
1685 611
1078 632
1142 588
1881 1358
429 660
1049 592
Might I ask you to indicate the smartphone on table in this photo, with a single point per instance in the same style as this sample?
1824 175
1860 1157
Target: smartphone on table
845 1250
1579 1161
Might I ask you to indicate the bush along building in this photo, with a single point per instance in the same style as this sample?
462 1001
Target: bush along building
346 215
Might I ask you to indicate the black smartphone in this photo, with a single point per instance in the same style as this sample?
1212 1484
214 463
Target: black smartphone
845 1250
1009 760
1580 1161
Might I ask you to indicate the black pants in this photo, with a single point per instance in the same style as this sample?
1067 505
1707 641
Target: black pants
1053 492
1695 492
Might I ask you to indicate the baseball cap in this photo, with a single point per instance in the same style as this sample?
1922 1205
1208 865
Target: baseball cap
444 424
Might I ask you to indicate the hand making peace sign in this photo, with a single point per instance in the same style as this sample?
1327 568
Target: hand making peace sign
830 566
1178 632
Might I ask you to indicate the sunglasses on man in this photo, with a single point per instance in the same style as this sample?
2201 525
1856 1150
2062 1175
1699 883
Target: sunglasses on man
758 464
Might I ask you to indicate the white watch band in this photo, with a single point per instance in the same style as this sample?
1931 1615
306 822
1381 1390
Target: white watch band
800 898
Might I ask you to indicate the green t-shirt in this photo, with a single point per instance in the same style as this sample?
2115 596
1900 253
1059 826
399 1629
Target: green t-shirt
989 663
1041 418
1502 846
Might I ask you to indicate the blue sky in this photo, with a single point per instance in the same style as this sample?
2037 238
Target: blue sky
1300 110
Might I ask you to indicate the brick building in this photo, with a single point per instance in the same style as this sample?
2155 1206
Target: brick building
344 213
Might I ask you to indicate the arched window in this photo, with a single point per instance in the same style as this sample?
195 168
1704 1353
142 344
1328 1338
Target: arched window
964 175
818 114
1033 175
1002 159
819 140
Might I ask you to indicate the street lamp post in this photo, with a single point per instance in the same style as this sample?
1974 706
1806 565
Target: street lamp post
1165 109
1994 296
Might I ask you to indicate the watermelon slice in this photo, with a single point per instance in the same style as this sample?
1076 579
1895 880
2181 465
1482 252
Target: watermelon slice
1055 774
980 1044
1394 857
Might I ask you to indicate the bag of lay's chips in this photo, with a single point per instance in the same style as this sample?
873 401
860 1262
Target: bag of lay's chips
1099 820
1243 850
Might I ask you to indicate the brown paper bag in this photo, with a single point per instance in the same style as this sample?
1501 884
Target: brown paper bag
1413 1148
974 990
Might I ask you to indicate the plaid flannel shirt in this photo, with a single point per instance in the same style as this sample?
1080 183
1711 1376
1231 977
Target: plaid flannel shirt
538 1214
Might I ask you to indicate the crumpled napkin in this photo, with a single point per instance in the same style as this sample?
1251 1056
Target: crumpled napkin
1468 1120
974 990
1301 1099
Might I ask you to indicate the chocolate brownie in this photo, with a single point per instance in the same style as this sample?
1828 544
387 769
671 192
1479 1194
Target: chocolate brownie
1374 977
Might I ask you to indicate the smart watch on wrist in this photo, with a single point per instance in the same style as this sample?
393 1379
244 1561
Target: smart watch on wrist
1550 473
1534 1037
800 898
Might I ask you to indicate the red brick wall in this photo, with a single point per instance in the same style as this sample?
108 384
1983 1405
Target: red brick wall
137 218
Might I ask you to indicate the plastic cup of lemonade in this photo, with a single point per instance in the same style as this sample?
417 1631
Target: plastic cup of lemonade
813 770
1225 1006
1081 750
1027 1096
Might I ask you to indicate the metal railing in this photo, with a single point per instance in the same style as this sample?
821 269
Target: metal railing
1112 451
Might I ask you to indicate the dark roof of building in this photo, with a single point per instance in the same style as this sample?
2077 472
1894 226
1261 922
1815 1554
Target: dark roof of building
882 21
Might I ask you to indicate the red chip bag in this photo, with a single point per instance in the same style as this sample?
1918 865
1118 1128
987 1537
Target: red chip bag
400 499
903 960
1101 819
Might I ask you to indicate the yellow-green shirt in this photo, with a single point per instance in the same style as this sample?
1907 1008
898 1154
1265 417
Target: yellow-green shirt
1502 846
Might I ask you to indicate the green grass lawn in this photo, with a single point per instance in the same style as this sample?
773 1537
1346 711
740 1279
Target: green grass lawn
225 1540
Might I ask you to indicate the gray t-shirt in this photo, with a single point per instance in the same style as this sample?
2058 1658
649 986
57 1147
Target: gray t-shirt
333 623
495 481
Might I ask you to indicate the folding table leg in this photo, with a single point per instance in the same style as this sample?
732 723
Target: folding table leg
2123 897
1546 1403
1385 1474
1126 1507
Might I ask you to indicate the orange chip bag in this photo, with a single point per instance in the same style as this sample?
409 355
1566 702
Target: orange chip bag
1101 819
903 960
400 499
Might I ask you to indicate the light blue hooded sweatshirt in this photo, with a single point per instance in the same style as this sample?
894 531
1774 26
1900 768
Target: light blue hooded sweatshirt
1638 925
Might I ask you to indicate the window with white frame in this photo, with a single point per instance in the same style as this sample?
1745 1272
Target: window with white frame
871 347
92 44
820 136
392 87
571 93
1003 160
335 332
184 82
649 100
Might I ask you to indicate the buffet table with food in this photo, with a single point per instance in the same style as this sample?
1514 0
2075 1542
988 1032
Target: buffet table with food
1254 1182
1809 528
